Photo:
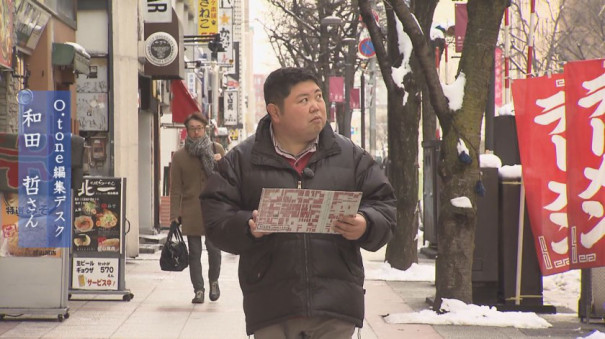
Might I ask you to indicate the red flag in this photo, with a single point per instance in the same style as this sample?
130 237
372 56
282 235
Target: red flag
498 74
354 101
540 119
182 103
460 29
337 85
585 104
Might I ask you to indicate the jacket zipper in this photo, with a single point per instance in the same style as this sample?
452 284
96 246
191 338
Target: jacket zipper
306 261
307 279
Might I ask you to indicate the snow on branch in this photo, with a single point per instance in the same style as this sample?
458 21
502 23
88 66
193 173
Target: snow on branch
461 202
405 49
455 92
463 154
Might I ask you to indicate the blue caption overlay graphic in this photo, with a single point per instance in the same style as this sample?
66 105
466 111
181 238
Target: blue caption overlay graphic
44 169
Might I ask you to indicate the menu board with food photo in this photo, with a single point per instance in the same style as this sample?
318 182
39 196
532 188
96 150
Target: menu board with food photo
97 211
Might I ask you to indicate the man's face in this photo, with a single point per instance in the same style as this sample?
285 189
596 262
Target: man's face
195 129
303 114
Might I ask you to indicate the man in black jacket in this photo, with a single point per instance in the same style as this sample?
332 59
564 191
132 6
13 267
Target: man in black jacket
298 285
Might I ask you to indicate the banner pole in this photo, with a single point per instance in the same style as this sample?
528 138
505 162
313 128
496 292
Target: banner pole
520 244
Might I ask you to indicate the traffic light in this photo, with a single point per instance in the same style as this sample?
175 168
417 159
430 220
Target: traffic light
216 46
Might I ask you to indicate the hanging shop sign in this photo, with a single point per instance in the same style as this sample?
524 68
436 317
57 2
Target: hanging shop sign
207 17
225 27
163 47
30 23
231 111
157 11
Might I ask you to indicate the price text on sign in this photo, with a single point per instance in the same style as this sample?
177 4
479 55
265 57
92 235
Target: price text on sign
95 274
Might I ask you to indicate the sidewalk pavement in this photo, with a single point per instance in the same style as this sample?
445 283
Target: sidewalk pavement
161 308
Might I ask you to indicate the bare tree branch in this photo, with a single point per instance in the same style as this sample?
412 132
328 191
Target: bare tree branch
422 51
377 40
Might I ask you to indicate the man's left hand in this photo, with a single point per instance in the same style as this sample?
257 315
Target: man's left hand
351 227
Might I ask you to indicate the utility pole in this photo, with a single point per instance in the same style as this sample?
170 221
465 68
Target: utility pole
363 108
215 93
372 83
215 46
350 55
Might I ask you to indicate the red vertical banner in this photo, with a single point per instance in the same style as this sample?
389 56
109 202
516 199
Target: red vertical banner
498 78
540 119
354 101
460 29
585 107
337 92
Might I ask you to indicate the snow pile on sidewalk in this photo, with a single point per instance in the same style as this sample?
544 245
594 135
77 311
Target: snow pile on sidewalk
460 313
595 335
384 271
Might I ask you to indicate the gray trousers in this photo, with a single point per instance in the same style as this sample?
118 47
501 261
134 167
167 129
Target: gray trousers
195 261
308 328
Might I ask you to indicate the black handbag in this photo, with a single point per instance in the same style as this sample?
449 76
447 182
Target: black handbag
174 255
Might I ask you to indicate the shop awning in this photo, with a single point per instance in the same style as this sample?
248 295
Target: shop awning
72 55
183 103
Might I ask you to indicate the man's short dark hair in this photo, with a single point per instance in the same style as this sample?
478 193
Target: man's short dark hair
196 116
279 83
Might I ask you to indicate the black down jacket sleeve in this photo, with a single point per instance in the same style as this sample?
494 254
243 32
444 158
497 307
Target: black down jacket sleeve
225 220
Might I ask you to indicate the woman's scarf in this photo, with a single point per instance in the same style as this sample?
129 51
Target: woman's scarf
202 149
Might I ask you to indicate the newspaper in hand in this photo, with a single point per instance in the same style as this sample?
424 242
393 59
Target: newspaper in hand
304 210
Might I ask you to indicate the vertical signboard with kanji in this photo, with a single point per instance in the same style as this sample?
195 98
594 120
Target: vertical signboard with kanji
230 104
36 207
207 17
225 30
44 169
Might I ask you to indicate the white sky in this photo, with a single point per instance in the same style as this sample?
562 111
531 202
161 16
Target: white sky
264 57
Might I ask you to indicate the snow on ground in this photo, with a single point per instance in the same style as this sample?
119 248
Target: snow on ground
384 271
460 313
560 290
596 335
